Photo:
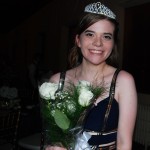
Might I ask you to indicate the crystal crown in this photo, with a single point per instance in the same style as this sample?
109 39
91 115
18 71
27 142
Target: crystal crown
99 8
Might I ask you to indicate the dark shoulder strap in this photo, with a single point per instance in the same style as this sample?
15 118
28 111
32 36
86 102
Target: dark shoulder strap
61 81
111 97
113 83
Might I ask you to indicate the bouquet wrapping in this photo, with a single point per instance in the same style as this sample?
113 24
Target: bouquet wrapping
63 113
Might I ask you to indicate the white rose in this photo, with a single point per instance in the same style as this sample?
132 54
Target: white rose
47 90
84 83
85 97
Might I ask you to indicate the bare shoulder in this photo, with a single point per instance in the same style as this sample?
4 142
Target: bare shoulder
55 78
69 76
125 77
125 86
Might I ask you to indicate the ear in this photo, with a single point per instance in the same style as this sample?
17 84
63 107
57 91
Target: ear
77 40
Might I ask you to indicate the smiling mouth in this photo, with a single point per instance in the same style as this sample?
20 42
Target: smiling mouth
96 51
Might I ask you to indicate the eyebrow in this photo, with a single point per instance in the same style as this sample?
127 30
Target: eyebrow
88 31
93 32
109 34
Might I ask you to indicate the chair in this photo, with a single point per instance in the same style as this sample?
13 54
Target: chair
34 141
142 127
9 121
31 142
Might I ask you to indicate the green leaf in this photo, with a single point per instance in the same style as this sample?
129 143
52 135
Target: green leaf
61 120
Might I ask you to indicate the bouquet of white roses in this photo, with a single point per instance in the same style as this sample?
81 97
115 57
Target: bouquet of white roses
63 112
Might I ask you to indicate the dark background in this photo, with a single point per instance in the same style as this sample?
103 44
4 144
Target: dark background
13 12
136 54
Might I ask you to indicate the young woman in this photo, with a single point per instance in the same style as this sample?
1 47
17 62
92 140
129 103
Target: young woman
93 58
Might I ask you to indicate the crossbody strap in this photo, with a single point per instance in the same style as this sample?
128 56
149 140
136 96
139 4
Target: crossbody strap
111 95
61 82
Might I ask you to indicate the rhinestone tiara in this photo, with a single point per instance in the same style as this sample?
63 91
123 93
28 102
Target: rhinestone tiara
99 8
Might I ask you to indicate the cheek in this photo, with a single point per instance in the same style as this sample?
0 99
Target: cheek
84 43
109 51
80 43
110 46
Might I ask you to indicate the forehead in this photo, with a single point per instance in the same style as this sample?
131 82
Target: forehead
102 26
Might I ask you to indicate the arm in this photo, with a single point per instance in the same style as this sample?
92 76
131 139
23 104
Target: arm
127 99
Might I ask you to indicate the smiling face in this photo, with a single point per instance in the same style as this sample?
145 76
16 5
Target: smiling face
96 42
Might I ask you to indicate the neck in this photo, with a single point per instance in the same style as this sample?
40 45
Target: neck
91 73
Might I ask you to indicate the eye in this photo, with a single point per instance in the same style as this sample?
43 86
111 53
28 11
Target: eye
107 37
89 34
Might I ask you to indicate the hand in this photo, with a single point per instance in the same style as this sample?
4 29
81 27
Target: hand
54 148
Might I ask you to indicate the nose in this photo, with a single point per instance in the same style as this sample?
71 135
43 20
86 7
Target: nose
97 41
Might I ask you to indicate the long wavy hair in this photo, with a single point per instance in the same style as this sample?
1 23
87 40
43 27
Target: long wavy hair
86 20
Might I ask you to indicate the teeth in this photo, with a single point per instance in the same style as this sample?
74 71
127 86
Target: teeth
96 51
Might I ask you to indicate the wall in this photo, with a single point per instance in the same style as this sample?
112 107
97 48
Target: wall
136 45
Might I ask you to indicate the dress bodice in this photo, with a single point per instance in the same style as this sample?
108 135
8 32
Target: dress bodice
95 120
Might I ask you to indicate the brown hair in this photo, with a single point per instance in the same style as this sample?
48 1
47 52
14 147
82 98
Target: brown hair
86 20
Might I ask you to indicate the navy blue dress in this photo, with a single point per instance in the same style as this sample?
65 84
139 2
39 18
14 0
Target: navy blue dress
95 118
